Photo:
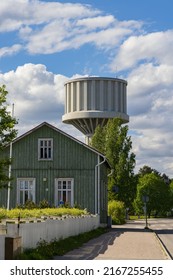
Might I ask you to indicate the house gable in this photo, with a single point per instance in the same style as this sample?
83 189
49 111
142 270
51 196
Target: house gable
65 150
72 166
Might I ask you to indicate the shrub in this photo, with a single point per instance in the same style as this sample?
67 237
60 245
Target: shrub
44 204
2 213
39 212
29 204
116 210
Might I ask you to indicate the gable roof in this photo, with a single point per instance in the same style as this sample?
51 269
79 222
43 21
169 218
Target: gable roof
62 132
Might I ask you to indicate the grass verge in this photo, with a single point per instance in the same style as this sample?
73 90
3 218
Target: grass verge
46 251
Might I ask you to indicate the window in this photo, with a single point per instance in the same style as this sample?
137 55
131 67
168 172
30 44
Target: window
25 190
45 149
64 191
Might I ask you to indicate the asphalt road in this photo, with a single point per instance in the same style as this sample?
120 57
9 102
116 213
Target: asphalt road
163 227
125 242
164 230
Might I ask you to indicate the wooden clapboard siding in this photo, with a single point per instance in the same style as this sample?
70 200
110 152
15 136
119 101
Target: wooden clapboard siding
71 159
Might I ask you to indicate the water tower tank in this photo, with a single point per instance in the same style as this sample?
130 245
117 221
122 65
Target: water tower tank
93 101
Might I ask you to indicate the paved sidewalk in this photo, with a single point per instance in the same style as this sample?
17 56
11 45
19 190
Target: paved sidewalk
127 242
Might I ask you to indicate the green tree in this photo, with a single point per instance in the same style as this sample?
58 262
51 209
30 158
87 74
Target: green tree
171 190
157 190
146 170
117 211
7 134
98 140
113 141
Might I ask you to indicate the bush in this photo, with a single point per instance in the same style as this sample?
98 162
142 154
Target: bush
2 213
44 204
29 204
116 210
39 212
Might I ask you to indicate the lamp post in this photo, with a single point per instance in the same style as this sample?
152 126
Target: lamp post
145 199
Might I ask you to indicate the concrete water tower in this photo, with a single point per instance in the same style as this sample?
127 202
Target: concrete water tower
93 101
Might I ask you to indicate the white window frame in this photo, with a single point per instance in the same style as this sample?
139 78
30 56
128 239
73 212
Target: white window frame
59 190
19 180
45 148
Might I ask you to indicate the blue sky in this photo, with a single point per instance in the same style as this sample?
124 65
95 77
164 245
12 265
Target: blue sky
155 14
44 43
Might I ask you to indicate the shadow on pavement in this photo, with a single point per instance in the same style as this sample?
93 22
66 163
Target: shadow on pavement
92 248
163 231
99 245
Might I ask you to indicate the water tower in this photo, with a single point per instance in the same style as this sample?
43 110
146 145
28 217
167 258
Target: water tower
93 101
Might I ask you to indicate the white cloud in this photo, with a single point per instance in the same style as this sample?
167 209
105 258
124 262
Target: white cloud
33 12
39 96
49 27
6 51
155 47
103 31
36 93
96 22
150 102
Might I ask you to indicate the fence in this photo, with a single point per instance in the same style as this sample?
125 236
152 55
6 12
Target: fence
34 231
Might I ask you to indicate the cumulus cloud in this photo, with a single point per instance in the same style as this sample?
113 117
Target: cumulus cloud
49 27
38 96
33 12
152 47
150 104
144 58
149 59
36 93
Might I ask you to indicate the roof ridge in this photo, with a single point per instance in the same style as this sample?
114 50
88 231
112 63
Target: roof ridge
60 131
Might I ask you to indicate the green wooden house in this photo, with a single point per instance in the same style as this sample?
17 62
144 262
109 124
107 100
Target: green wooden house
49 164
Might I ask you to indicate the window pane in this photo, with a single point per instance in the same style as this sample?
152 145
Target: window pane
50 142
21 186
64 185
30 195
26 185
49 152
30 185
26 196
64 196
69 197
21 198
69 185
41 153
59 197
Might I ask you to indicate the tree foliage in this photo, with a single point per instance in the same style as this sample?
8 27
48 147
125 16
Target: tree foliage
158 191
7 134
112 140
117 211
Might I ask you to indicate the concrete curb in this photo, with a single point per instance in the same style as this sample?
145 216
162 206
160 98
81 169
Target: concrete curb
165 250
